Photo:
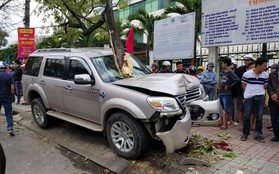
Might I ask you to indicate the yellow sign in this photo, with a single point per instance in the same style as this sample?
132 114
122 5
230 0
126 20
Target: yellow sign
29 31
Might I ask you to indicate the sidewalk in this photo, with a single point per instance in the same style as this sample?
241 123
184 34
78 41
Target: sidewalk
252 157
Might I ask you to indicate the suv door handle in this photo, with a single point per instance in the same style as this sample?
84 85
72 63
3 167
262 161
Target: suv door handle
68 88
43 83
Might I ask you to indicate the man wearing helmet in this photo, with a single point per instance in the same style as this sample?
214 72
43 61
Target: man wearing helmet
192 71
166 67
154 68
200 71
6 94
209 80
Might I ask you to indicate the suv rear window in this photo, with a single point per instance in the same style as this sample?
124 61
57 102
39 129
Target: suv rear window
33 65
54 68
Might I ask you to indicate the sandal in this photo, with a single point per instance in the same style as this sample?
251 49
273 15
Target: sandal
223 128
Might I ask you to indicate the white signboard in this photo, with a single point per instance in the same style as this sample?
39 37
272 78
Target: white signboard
174 37
231 22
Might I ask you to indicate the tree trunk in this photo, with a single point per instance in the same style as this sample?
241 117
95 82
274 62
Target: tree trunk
117 47
264 50
193 62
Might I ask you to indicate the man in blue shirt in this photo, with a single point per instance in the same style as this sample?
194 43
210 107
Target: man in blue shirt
209 80
6 95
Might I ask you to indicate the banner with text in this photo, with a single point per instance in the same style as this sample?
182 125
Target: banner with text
174 38
232 22
26 42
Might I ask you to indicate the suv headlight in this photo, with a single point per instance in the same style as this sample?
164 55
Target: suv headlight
163 104
203 94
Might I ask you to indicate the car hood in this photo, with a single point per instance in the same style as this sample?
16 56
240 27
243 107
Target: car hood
169 83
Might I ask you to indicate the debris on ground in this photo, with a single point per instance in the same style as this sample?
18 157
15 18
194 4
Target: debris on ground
222 145
203 151
193 161
239 172
229 155
225 136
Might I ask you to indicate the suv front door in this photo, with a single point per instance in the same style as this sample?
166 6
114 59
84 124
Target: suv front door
81 100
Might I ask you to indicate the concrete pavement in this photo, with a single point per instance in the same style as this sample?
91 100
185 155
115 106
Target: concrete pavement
252 156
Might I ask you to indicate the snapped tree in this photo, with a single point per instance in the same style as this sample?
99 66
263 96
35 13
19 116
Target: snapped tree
87 16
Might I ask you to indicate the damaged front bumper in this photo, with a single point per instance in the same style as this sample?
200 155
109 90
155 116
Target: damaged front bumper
178 136
205 113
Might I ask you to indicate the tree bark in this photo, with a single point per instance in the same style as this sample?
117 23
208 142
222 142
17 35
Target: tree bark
117 47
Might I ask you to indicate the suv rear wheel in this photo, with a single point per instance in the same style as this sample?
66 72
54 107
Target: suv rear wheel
126 135
39 113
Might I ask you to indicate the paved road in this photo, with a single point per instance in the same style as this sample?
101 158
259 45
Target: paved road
29 153
252 157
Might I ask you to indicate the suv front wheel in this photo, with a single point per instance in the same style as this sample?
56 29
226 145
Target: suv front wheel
126 135
39 113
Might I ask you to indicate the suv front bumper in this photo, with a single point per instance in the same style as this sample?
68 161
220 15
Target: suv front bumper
179 135
206 113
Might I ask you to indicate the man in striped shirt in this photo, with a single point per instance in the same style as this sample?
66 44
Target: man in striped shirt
254 83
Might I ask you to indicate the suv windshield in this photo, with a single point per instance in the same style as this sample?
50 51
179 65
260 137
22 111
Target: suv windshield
107 70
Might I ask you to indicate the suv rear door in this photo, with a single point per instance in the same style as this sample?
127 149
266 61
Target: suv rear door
52 81
81 100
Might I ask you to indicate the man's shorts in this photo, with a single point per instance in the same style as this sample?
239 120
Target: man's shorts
226 102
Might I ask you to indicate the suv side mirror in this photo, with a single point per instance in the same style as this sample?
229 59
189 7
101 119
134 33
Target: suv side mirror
83 79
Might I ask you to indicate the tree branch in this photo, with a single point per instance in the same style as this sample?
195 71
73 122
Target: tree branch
82 26
4 4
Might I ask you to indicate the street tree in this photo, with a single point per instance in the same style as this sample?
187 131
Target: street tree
87 16
8 10
146 25
3 40
10 51
188 6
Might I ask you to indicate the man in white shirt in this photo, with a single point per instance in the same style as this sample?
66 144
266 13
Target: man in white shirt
254 83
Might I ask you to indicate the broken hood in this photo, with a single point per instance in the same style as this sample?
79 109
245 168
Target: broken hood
172 83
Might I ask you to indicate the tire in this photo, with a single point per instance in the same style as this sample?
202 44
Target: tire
39 113
123 126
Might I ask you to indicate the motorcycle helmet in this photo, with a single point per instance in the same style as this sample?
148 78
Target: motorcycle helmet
166 63
3 65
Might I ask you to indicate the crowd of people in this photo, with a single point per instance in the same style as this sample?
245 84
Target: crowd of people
242 91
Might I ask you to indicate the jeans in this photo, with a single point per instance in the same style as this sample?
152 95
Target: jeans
210 92
256 104
7 103
18 90
274 114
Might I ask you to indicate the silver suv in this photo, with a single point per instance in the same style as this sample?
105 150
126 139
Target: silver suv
83 86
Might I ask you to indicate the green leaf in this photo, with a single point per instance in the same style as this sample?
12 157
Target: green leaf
225 136
229 155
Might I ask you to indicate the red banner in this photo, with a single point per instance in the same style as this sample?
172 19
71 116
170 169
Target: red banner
26 42
130 41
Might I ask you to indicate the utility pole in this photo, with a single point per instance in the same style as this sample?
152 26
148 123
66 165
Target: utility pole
27 13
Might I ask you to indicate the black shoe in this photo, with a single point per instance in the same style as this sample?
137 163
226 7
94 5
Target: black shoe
11 132
259 139
274 139
244 137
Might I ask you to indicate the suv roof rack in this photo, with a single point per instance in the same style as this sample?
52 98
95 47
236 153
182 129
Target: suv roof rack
54 50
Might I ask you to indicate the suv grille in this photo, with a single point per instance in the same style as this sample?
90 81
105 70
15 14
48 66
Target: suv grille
192 95
181 100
